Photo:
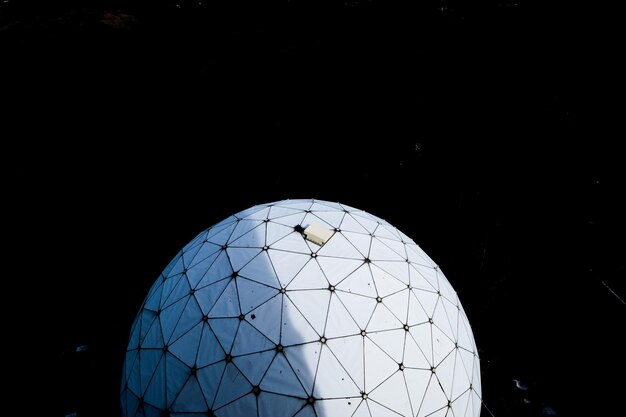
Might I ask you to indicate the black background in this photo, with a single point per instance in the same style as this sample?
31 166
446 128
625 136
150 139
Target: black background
485 130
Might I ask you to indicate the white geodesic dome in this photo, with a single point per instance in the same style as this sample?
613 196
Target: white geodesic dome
254 319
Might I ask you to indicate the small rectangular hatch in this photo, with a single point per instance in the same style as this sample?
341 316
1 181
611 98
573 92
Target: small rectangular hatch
317 234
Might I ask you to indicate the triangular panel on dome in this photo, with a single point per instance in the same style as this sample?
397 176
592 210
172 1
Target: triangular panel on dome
426 299
153 300
340 407
461 382
291 220
276 231
177 292
477 402
294 327
309 277
254 238
188 254
365 220
170 316
313 304
168 286
337 269
250 340
272 405
301 203
206 250
220 235
398 304
391 342
210 378
293 242
260 269
338 246
417 256
191 316
197 272
349 224
434 399
358 306
360 241
332 380
417 381
220 269
232 386
379 410
281 379
416 313
385 282
304 361
396 246
422 335
190 398
227 305
243 406
225 331
382 319
393 395
177 374
287 264
349 353
441 319
332 219
239 257
279 210
306 411
208 295
154 336
414 355
418 281
154 388
258 212
445 374
452 312
381 252
442 344
396 269
359 282
341 324
255 365
379 366
460 405
252 294
266 318
209 349
185 347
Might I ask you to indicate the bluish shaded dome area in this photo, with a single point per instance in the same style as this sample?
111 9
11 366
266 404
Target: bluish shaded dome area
301 308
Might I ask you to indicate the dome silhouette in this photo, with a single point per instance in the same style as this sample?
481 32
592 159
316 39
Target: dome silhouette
301 308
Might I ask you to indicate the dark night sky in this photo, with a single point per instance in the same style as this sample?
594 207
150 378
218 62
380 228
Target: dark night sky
484 132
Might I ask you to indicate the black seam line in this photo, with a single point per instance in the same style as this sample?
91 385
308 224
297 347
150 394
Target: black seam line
384 270
368 407
349 213
247 278
289 231
467 374
219 342
303 316
189 250
456 357
330 299
384 406
440 362
264 302
280 327
182 387
297 220
228 233
364 362
208 269
382 382
142 339
276 273
349 274
195 359
322 220
170 278
438 313
342 367
226 278
428 315
228 403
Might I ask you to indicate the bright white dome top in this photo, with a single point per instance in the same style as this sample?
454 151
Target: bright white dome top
301 308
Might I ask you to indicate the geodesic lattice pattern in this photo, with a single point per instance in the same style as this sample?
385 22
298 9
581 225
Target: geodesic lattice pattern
251 319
